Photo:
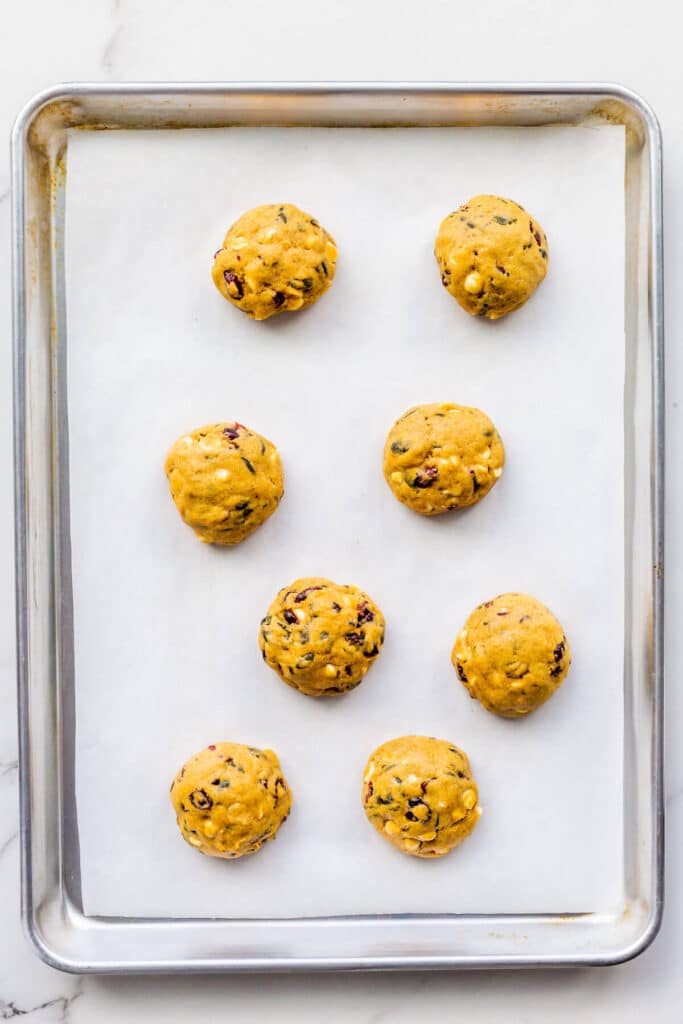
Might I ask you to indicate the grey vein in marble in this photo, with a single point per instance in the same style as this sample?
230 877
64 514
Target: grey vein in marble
8 842
63 1004
7 769
107 58
673 796
108 52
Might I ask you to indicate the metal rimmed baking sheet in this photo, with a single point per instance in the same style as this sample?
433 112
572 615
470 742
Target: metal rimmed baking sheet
381 940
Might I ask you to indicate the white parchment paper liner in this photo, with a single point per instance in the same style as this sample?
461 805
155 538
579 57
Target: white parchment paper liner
166 653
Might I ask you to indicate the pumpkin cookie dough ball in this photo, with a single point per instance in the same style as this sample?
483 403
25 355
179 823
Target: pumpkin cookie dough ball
419 794
441 457
492 255
274 258
512 654
225 480
229 799
321 637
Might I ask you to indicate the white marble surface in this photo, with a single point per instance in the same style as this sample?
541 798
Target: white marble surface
622 40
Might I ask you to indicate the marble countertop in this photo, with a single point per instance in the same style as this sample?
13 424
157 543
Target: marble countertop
627 42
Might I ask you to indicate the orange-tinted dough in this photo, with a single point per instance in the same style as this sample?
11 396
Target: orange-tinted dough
419 794
225 480
274 259
442 456
321 637
230 799
492 255
512 654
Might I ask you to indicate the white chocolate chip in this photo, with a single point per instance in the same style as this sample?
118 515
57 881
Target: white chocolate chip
427 837
222 474
486 454
370 772
454 459
469 798
473 283
209 829
188 440
330 670
411 845
391 828
397 477
497 473
412 779
301 616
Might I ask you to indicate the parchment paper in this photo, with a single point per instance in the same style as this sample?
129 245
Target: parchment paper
166 650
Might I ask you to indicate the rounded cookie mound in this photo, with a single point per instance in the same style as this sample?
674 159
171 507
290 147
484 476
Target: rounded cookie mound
419 794
492 255
512 654
230 799
225 480
321 637
273 259
441 457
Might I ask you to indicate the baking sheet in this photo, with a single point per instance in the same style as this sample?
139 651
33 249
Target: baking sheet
165 628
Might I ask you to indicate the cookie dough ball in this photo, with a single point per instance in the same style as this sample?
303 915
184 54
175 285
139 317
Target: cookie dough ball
441 457
225 480
492 255
230 799
512 654
419 794
274 258
321 637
